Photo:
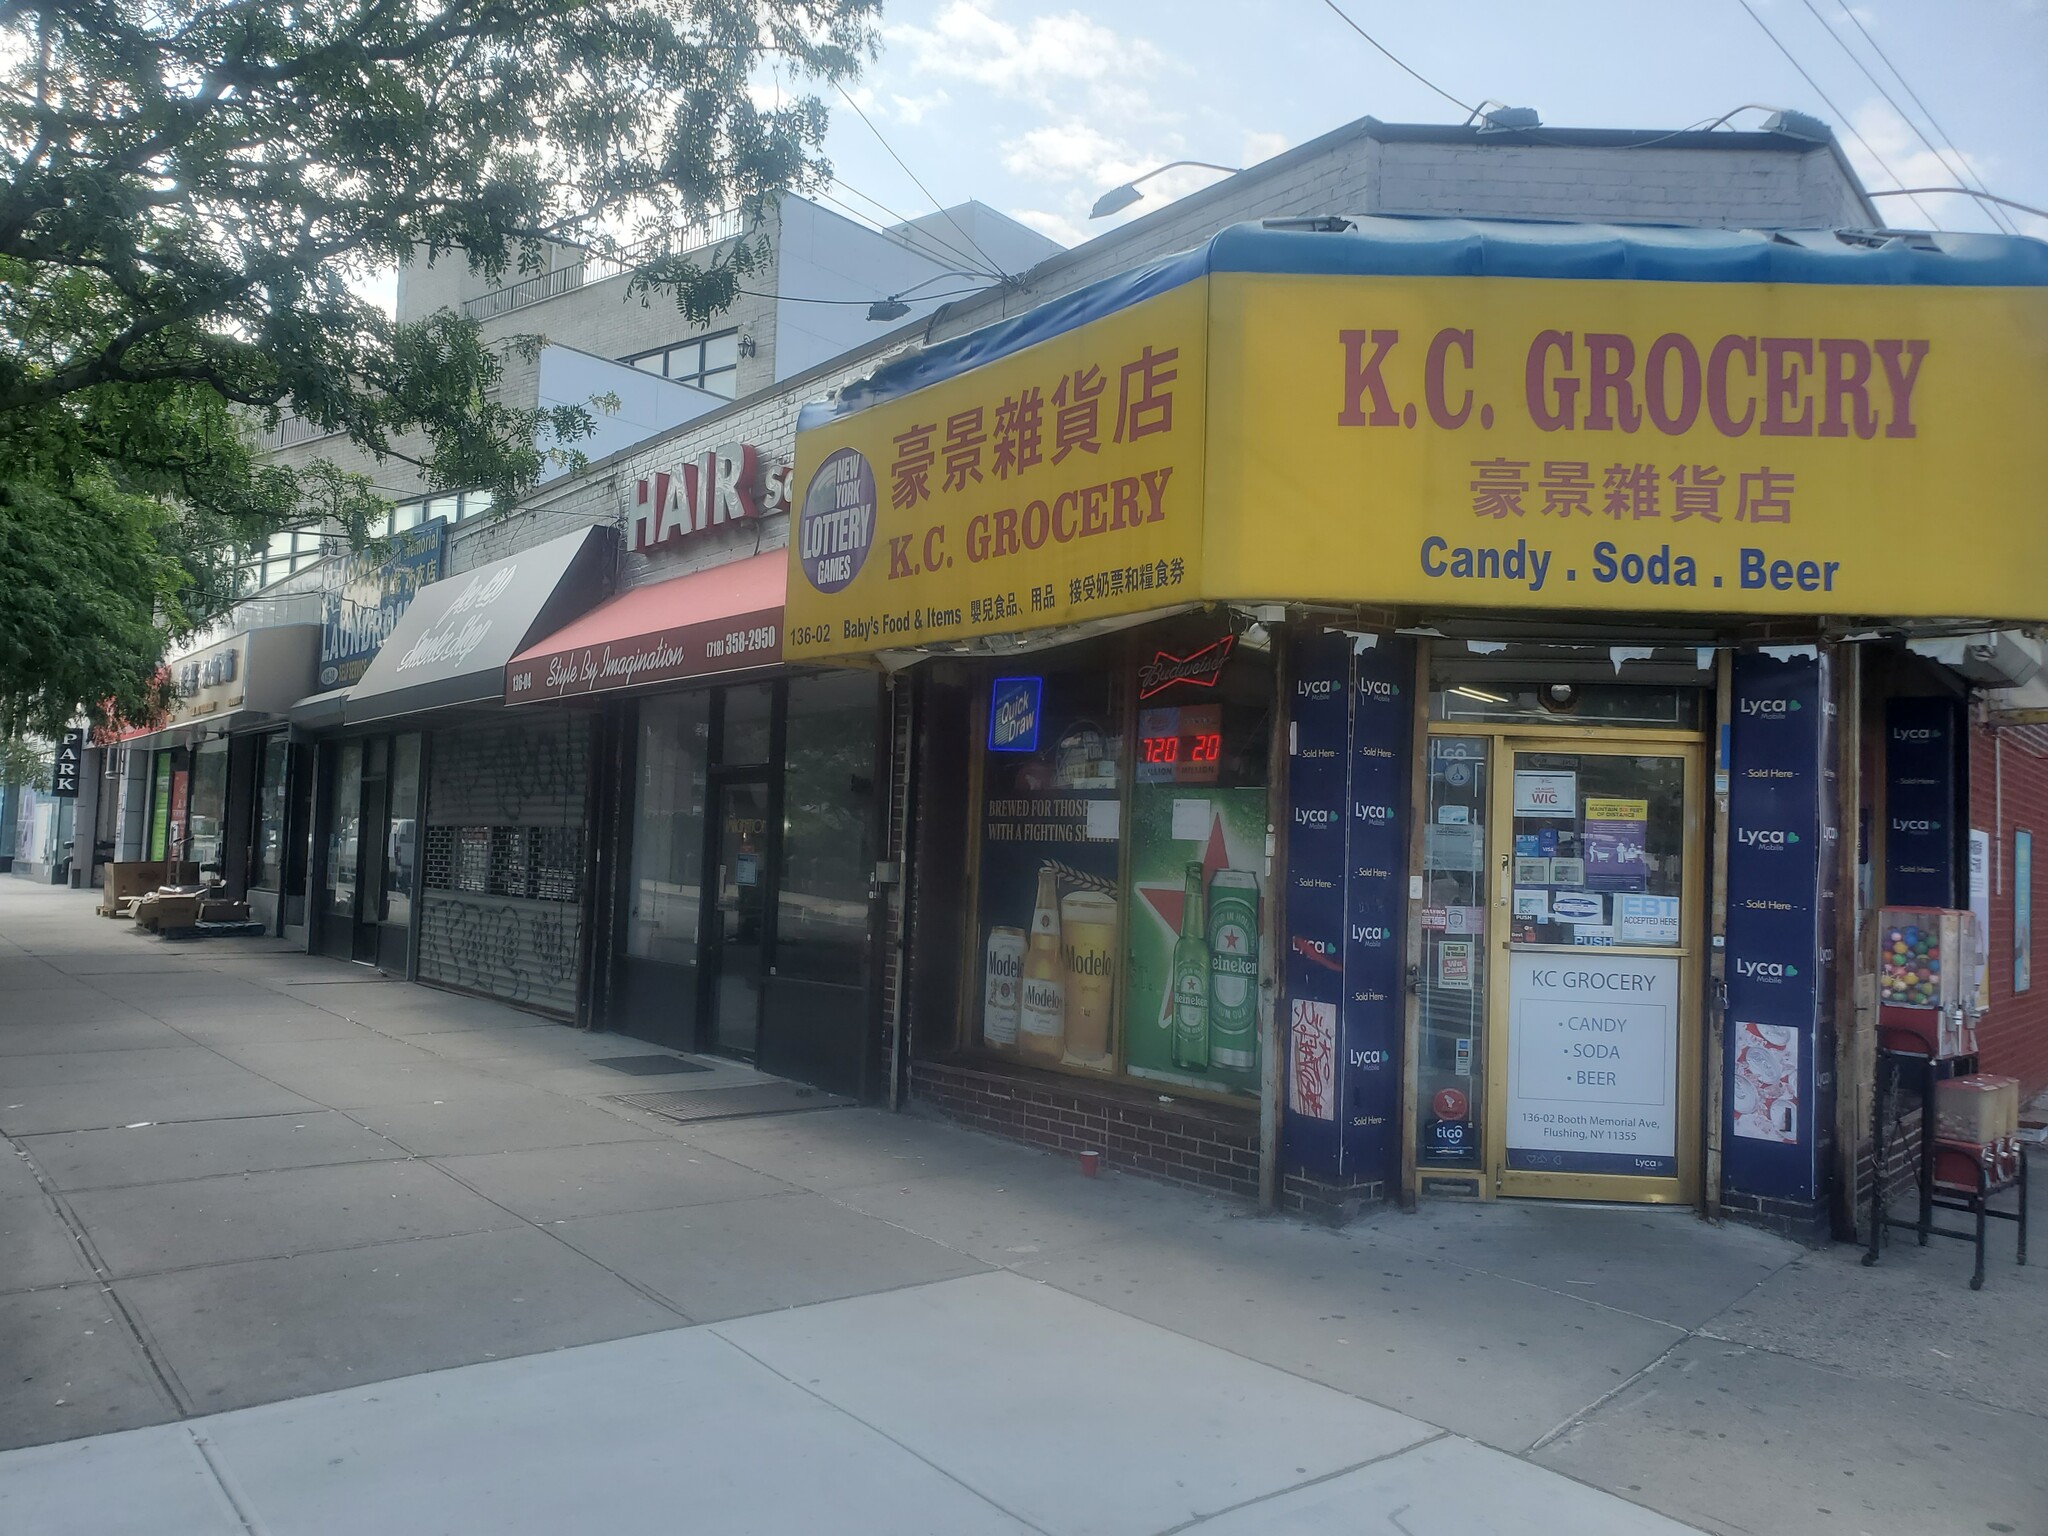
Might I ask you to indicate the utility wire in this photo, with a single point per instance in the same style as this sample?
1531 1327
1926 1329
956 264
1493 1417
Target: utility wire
1889 100
1985 197
1840 116
899 235
1914 96
927 191
791 298
1469 111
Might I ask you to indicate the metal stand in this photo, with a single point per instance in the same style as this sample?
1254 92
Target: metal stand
1900 1053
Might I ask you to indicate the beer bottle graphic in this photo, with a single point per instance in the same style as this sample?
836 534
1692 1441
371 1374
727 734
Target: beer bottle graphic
1234 969
1191 981
1042 1010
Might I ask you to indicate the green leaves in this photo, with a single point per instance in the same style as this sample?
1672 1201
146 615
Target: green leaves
190 195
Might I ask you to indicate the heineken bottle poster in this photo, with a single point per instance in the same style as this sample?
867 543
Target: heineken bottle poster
1192 987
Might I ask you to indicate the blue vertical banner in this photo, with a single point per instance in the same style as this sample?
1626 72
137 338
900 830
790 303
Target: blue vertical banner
1318 786
1774 970
1921 739
1375 904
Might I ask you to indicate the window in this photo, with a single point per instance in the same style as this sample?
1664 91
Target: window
268 857
668 832
402 837
209 804
708 362
828 788
749 709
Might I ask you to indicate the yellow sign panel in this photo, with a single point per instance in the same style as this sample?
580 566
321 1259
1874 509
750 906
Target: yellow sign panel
1052 487
1646 446
1449 443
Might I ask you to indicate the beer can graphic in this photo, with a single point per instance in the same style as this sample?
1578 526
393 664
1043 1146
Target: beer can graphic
1088 946
1234 969
1005 973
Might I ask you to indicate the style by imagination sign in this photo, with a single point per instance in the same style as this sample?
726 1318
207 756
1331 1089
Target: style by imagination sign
365 593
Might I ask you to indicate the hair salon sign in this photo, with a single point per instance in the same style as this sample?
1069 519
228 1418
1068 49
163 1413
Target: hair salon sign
723 486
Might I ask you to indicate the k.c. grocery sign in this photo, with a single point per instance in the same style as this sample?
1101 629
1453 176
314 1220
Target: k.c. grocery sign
1707 448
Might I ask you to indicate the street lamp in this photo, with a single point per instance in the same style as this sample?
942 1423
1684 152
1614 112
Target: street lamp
893 307
1116 199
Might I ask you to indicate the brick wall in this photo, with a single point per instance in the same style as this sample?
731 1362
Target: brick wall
2013 1038
1201 1146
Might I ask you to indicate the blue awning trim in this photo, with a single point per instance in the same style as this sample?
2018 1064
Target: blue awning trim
1395 246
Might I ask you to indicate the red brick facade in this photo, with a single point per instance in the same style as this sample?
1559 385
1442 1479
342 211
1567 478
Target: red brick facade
1205 1146
2009 770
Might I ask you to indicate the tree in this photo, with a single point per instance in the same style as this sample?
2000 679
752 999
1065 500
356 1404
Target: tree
194 193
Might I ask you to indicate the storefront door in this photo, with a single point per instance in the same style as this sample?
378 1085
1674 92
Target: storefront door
1561 958
738 932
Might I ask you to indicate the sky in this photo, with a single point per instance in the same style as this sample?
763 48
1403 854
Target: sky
1036 108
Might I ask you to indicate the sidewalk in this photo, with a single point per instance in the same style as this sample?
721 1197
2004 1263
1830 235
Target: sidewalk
287 1247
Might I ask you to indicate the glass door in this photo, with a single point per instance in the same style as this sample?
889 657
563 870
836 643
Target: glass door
1452 979
738 929
337 906
1592 1071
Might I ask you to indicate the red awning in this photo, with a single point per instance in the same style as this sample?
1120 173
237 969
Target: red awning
725 619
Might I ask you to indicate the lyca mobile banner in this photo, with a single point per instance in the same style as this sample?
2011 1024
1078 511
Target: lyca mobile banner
1055 486
1630 445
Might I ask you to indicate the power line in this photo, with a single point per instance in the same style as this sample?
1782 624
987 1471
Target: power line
1840 116
1987 197
1914 96
927 191
1890 101
898 235
1469 111
791 298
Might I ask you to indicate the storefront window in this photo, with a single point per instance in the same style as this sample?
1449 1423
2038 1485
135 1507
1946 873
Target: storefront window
1120 881
401 849
668 830
1567 703
749 710
828 791
267 860
345 831
160 806
1599 844
1452 981
209 803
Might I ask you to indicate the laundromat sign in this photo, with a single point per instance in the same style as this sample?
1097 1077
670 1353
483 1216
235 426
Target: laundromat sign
1450 442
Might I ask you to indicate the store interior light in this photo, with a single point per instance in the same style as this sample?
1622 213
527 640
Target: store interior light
1480 694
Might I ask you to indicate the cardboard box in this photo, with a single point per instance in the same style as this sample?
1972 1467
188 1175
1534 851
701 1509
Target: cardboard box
1980 1108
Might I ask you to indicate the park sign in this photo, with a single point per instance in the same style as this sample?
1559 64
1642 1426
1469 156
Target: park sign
1683 422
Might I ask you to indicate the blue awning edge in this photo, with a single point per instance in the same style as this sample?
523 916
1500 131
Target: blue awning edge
1392 245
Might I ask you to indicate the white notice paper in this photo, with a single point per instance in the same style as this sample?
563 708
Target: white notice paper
1191 820
1593 1063
1103 822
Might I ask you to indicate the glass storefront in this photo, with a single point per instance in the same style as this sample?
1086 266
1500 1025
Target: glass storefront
208 828
266 857
1120 871
745 912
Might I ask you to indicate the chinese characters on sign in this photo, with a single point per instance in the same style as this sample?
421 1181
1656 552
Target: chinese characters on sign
1503 488
1058 484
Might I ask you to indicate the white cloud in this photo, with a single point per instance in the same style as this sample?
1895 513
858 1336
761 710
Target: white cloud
1039 63
1887 136
911 109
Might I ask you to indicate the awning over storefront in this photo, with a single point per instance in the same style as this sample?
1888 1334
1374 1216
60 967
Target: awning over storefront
1457 416
319 711
723 619
244 683
452 644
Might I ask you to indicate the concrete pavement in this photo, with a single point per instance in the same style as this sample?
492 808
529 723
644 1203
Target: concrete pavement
288 1247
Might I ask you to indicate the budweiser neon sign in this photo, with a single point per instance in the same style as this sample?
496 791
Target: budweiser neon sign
1198 670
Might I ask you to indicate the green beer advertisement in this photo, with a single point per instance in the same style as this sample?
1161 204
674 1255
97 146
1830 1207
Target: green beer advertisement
1197 897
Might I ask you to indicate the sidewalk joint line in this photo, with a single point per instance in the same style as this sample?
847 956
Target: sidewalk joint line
1195 1521
227 1488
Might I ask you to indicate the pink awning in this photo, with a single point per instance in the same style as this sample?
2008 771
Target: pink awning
726 619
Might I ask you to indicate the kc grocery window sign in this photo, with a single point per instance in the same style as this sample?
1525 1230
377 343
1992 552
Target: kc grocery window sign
1569 443
1054 486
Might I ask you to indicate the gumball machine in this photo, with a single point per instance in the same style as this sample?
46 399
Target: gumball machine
1927 977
